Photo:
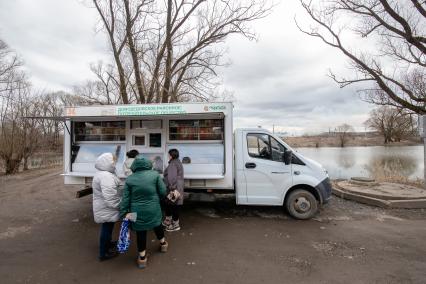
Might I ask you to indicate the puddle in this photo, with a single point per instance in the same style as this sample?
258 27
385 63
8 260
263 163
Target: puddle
211 213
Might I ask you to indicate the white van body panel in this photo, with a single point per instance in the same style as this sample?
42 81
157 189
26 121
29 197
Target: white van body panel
312 171
240 178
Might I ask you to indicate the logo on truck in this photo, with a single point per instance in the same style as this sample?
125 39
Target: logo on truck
70 111
214 108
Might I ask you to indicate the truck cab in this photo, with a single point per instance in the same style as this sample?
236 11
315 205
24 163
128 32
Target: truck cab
269 172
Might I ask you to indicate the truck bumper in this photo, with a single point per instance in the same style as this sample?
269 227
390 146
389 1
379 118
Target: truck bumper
324 188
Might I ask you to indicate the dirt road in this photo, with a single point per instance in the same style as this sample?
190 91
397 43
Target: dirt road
48 236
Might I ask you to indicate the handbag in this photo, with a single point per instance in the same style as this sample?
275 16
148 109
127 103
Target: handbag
123 243
173 196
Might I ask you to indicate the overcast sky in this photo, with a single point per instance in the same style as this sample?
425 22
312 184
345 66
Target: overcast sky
279 80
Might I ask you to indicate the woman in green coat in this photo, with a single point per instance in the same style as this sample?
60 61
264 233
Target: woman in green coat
142 193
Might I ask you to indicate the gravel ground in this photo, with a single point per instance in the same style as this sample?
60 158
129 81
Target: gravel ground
48 236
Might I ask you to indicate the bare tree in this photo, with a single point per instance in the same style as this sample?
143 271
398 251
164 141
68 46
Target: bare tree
169 51
392 123
32 137
19 137
343 133
135 16
110 13
9 63
51 105
393 34
22 132
94 92
12 86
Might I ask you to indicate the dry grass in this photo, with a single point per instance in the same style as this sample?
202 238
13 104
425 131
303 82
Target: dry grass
353 141
393 172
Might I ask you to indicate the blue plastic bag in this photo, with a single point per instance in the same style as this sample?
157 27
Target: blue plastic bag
123 243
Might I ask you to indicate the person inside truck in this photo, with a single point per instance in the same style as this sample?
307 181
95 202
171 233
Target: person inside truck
106 202
131 155
157 164
173 178
264 153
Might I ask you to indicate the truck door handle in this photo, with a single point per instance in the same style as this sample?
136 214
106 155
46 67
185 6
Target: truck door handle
250 165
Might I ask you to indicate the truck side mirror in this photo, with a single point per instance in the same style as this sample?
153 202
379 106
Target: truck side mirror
287 155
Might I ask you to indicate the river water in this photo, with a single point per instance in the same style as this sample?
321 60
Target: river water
348 162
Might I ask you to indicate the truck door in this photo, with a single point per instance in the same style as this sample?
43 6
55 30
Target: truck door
267 177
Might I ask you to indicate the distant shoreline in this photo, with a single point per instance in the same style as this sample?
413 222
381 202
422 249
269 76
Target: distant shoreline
321 141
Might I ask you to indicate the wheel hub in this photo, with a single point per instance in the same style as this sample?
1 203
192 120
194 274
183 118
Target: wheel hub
302 205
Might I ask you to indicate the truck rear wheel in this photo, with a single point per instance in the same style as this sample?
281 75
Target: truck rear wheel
301 204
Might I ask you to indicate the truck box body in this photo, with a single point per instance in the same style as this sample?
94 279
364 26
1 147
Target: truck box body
201 132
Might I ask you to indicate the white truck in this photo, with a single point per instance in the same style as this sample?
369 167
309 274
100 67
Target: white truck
253 163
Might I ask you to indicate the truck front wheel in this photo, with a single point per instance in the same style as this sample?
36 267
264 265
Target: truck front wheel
301 204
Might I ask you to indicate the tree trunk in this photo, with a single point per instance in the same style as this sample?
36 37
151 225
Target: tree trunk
123 91
167 80
342 142
386 139
153 95
56 136
25 160
134 54
12 166
116 50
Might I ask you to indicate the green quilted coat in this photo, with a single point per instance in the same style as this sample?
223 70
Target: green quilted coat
142 193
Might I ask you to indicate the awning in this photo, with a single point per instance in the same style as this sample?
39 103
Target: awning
57 118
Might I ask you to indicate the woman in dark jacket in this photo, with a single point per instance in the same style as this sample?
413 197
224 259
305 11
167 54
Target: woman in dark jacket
142 194
173 178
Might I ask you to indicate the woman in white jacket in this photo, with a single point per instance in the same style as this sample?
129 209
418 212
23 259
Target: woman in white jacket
106 202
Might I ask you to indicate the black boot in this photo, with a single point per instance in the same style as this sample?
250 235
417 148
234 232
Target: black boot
108 255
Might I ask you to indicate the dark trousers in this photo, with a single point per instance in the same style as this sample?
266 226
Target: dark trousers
172 210
105 238
141 237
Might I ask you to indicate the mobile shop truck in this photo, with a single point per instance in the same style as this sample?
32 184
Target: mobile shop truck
255 164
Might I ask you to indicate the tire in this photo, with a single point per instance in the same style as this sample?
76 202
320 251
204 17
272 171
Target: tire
301 204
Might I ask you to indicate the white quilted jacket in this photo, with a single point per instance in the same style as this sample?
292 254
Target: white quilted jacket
106 190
